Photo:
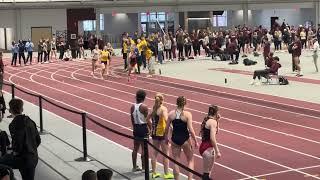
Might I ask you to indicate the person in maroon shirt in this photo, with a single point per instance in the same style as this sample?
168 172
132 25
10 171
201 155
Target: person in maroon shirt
269 60
263 73
296 53
266 49
233 50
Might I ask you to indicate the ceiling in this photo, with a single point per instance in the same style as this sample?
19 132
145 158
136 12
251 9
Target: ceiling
16 4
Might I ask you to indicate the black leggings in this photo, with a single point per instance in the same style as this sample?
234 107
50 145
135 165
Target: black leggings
196 49
29 57
21 55
14 59
40 56
259 73
180 49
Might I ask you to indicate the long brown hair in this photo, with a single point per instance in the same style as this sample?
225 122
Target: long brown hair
213 110
181 102
157 103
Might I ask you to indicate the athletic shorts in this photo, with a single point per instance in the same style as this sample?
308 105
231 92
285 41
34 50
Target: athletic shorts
140 131
159 138
133 61
125 56
53 49
204 146
104 62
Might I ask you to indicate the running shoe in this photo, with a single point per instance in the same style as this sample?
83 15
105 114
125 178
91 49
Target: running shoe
168 176
137 168
155 175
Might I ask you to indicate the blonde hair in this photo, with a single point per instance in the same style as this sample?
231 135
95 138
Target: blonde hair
157 103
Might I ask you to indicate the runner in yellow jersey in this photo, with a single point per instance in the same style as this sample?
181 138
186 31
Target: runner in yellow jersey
158 120
105 61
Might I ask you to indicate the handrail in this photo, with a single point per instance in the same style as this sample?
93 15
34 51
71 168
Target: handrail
84 117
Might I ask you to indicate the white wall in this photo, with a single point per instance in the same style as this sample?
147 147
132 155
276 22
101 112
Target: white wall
7 18
116 25
292 16
56 18
262 17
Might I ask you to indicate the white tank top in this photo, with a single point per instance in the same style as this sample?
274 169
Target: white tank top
138 117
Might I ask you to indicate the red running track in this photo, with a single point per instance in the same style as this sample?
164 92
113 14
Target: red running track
261 136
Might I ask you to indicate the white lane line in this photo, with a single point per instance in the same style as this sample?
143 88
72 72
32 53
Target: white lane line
106 120
234 149
281 172
233 120
228 93
223 107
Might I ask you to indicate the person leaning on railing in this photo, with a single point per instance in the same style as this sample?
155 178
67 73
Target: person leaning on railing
25 141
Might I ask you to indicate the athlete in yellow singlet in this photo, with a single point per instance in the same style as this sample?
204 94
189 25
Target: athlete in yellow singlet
105 61
158 120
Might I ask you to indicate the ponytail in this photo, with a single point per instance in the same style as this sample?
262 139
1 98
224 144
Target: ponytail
157 103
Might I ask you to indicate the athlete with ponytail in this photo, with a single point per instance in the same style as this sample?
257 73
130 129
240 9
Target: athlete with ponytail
182 129
158 119
209 147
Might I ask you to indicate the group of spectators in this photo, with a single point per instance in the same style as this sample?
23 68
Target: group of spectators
227 44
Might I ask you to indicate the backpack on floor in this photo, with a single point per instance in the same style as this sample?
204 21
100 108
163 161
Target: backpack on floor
248 62
283 80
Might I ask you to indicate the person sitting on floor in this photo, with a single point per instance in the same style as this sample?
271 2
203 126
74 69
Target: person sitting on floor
67 55
273 70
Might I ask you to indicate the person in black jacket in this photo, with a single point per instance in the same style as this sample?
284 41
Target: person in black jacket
25 141
21 52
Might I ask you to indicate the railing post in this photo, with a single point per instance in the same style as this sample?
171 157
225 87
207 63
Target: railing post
12 90
41 115
146 159
84 138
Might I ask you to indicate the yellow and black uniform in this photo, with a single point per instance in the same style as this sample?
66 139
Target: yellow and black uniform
158 127
105 56
125 50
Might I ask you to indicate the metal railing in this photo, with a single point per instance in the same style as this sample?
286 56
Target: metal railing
84 118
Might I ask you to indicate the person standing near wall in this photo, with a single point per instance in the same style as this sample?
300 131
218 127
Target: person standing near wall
53 48
315 54
61 49
15 51
21 52
29 48
40 51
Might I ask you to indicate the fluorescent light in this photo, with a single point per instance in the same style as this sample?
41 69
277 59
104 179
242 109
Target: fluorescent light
198 18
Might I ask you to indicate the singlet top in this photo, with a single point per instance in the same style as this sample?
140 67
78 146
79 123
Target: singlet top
53 45
95 54
138 117
158 125
105 56
206 133
180 128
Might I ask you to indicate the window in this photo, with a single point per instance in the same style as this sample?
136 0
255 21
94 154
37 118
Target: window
220 20
90 25
152 17
101 22
144 17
